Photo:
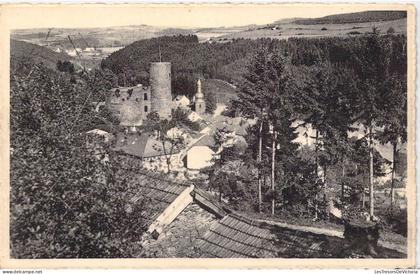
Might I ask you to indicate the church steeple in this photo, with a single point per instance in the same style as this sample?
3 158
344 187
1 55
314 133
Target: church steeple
200 104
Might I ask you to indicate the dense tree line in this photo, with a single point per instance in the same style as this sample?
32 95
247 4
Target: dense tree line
366 90
65 202
227 61
355 17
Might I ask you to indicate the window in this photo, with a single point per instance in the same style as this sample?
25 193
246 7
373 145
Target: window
145 109
145 97
130 92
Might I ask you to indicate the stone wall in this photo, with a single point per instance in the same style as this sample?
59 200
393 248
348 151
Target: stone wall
130 104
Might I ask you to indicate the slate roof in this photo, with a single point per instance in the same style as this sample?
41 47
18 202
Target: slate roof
142 145
236 237
150 193
207 140
238 124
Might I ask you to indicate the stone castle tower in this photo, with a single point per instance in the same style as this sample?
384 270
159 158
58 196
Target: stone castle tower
131 105
160 88
200 104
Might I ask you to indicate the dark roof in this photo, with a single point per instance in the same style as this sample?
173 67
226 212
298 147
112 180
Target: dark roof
206 141
132 144
150 193
236 237
238 124
142 145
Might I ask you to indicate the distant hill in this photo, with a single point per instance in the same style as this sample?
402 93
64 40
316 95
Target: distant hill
356 17
227 61
174 31
338 26
20 50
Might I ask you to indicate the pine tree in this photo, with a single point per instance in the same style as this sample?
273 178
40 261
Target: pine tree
372 74
326 106
393 120
265 95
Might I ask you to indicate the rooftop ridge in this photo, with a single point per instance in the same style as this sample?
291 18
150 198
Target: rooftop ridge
159 176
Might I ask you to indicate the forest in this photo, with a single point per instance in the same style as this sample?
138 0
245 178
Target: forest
333 84
228 61
356 17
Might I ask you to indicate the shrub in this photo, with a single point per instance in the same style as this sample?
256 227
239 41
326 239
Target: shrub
64 202
395 219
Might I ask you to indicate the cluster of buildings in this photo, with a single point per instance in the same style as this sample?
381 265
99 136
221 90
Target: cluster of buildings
184 150
88 51
183 220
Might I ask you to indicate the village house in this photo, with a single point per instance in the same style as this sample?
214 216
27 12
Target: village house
152 153
201 154
181 101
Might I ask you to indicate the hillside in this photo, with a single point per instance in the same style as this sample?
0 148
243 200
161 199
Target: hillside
190 59
228 61
356 17
112 36
340 25
37 54
286 30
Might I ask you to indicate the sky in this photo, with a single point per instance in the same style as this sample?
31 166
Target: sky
166 15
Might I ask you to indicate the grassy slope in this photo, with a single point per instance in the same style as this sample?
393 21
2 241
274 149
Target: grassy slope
287 30
38 54
355 17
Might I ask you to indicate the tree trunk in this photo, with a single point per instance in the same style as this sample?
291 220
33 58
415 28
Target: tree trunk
363 198
363 190
371 196
316 154
324 176
394 154
342 183
220 192
316 172
168 163
259 169
273 160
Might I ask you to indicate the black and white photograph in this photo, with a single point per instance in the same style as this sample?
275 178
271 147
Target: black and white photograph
283 135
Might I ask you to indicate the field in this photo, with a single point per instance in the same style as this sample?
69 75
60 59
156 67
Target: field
336 25
290 29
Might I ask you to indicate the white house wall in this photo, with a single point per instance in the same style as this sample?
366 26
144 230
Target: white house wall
199 157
